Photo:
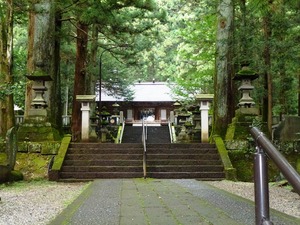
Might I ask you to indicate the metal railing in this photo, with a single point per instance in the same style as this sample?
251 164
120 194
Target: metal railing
144 142
172 132
122 133
263 147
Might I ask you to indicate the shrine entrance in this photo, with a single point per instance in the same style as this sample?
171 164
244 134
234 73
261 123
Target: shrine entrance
147 114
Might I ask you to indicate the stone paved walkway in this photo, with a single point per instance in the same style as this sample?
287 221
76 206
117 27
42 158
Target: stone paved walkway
160 202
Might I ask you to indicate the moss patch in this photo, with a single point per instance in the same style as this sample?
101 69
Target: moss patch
38 132
15 175
3 158
243 165
230 171
32 165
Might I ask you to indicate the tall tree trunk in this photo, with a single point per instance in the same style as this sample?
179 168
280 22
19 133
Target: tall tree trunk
56 101
267 101
7 119
299 93
232 90
41 55
223 64
285 82
79 80
92 78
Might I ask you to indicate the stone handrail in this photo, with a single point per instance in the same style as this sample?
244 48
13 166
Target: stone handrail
53 172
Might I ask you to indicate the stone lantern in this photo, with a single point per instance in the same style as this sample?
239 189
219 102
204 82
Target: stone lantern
38 104
104 121
115 118
36 126
246 76
176 110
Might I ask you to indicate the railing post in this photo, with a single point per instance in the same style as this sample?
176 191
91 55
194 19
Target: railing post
285 168
261 187
144 140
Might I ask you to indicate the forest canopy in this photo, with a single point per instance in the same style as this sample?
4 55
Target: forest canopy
175 41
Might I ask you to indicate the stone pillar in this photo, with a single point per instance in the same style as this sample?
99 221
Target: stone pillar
204 121
204 107
121 117
85 114
172 117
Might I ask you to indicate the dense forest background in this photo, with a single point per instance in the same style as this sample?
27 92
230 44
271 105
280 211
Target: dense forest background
197 46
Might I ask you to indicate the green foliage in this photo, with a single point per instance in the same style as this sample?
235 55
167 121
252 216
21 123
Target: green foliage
250 46
17 89
169 41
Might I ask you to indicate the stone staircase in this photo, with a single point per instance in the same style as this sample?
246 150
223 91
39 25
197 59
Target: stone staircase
201 161
88 161
156 134
132 134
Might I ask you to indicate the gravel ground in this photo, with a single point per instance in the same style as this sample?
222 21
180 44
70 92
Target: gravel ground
281 198
37 203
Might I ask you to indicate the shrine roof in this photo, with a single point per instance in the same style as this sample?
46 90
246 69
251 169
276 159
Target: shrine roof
146 92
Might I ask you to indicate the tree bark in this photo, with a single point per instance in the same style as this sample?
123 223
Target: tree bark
41 57
7 119
223 64
80 75
92 78
299 93
56 102
267 101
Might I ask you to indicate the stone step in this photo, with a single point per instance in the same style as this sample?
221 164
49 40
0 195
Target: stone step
181 151
102 162
140 157
100 175
138 162
104 145
139 150
182 156
103 168
182 145
187 175
104 156
185 168
139 168
94 151
161 162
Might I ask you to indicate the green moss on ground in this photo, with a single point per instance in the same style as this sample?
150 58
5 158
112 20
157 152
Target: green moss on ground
33 165
16 175
242 164
3 158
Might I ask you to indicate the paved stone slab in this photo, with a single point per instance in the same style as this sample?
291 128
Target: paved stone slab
161 202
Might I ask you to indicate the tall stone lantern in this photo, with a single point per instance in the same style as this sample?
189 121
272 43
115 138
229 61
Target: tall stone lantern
36 126
246 76
38 104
